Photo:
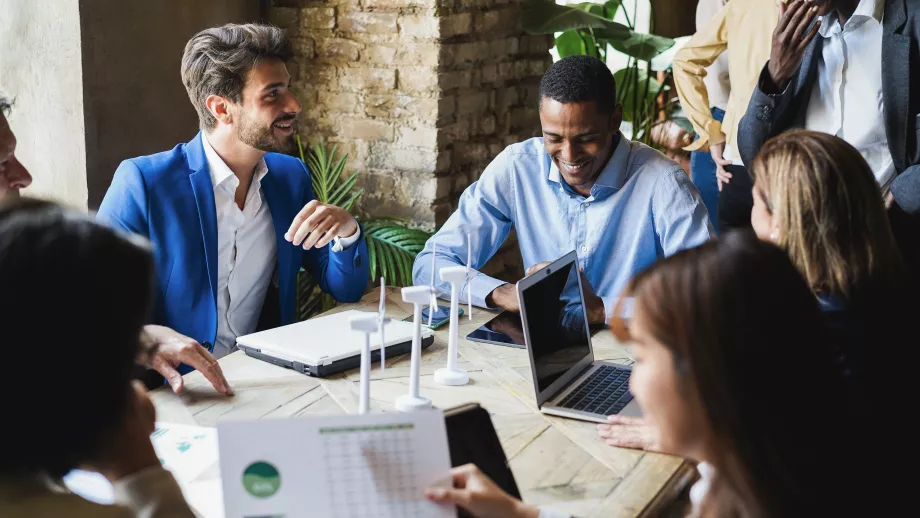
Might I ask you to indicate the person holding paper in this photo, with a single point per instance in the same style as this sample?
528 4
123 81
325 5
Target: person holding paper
705 337
229 215
70 401
584 186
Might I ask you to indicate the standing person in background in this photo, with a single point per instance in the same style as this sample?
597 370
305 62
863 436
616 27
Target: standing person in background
717 86
850 68
742 29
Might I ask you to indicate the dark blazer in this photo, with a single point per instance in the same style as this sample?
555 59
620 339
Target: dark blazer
168 198
769 115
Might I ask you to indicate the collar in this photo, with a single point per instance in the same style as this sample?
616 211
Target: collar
865 11
614 174
221 172
830 302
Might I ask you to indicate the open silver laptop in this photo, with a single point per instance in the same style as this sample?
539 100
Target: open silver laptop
568 382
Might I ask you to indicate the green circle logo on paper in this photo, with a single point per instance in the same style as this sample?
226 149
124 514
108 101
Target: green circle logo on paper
261 479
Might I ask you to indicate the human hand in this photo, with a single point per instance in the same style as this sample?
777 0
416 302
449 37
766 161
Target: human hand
790 40
317 224
173 348
630 432
717 152
130 450
537 267
889 200
478 495
505 297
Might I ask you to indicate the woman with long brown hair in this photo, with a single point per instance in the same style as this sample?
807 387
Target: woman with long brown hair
730 349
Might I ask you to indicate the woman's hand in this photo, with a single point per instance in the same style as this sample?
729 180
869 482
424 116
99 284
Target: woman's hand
476 493
630 432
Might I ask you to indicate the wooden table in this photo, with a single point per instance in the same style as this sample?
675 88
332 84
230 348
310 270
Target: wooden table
558 463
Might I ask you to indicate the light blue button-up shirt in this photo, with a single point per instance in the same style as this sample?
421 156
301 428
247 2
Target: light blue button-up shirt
642 207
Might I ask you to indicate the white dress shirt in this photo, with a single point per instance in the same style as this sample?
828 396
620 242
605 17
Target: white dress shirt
846 100
718 84
247 250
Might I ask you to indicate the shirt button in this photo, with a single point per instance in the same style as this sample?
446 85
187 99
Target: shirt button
586 204
584 249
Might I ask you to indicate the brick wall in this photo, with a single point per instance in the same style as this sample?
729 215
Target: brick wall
422 94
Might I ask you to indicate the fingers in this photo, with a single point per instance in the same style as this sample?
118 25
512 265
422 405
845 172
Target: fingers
810 36
788 15
163 366
199 358
330 234
805 18
625 419
318 232
299 219
460 475
309 225
441 495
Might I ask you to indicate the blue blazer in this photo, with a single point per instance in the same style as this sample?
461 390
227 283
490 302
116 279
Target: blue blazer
168 198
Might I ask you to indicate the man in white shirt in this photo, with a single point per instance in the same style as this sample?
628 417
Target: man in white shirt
228 214
849 68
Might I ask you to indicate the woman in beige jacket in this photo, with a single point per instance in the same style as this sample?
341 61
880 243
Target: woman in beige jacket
73 298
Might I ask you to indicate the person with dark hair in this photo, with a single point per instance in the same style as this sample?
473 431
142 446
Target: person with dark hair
708 329
13 175
849 68
229 210
583 186
103 286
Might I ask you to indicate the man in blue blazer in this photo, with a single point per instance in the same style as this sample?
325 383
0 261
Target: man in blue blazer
229 216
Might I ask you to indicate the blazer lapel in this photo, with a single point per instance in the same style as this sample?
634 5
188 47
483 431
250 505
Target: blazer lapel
808 71
282 215
207 212
896 69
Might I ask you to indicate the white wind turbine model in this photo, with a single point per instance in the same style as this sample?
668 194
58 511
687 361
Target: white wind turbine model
453 375
433 300
417 296
469 279
368 323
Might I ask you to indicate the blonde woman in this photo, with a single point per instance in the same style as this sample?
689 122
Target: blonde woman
816 198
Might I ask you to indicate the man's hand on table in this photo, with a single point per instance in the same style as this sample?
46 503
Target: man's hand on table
505 297
173 348
593 304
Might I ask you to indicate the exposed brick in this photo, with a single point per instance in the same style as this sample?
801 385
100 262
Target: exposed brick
456 24
372 23
317 18
498 20
418 53
379 54
472 103
303 47
488 74
343 102
401 106
458 131
453 80
453 54
366 129
396 4
417 137
419 26
338 48
359 79
417 79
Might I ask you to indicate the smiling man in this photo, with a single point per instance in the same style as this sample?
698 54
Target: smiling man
583 186
228 212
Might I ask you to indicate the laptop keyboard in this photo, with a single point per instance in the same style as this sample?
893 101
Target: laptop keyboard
605 392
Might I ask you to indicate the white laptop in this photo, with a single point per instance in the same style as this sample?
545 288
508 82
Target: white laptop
325 345
567 379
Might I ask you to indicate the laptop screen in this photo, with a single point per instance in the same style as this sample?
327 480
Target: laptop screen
556 323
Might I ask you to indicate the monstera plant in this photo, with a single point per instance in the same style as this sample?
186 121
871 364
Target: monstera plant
588 28
391 244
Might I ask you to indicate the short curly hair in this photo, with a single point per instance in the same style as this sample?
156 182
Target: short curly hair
576 79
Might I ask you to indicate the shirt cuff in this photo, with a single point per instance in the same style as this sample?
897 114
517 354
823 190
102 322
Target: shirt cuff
151 492
344 243
482 286
712 134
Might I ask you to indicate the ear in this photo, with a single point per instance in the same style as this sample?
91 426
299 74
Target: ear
219 108
616 117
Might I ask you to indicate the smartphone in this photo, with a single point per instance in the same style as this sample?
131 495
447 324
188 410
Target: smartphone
441 316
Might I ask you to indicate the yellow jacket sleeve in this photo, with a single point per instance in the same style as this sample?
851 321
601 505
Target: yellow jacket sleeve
689 68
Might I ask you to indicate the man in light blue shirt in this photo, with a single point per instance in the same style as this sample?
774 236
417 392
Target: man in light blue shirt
583 186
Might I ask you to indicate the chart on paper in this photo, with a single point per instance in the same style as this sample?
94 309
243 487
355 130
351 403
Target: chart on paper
357 466
372 471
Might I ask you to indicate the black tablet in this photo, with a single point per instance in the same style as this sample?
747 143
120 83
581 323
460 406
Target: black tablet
505 329
472 440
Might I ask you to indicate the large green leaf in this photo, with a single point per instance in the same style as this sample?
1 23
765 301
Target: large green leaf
571 43
392 248
640 46
547 17
606 10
